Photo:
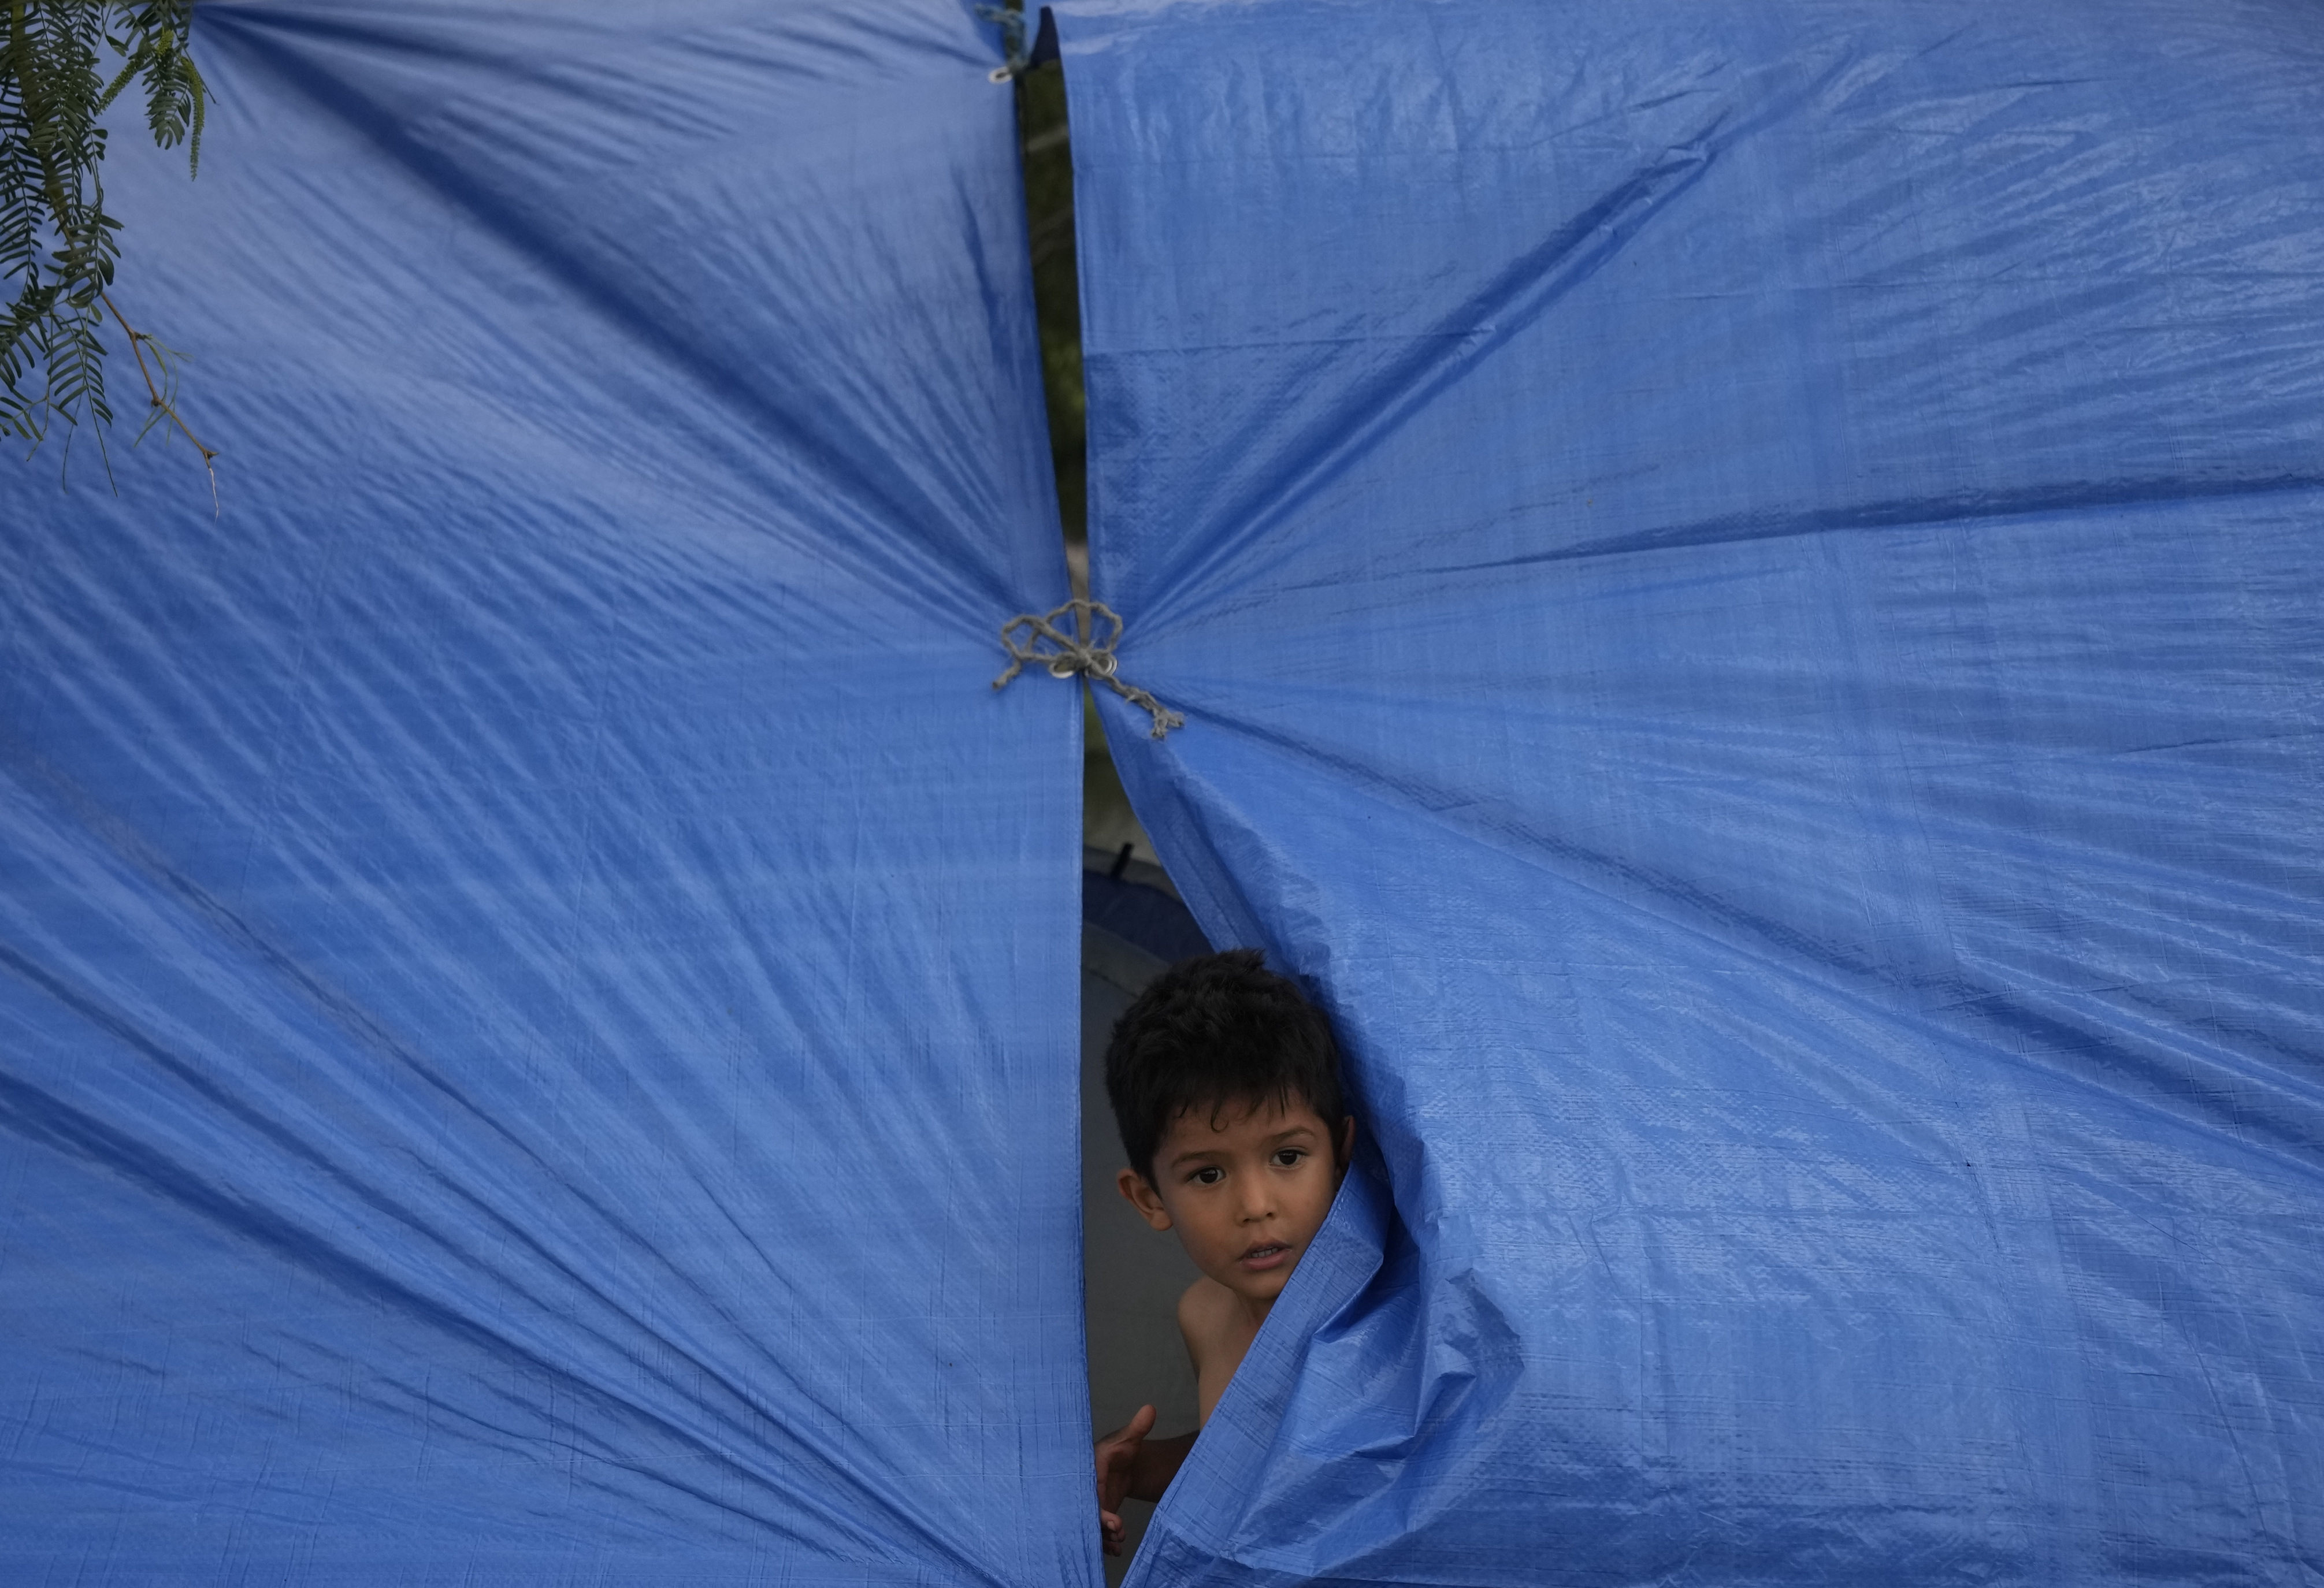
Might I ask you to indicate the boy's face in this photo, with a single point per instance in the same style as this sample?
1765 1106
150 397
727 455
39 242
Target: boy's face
1246 1188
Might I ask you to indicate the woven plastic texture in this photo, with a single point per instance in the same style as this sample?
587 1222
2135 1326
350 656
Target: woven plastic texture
537 977
1743 579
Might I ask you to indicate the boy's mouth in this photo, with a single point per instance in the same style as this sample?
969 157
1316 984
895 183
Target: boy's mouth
1260 1259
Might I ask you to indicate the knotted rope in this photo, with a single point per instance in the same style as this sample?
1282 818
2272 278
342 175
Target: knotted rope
1092 657
1012 40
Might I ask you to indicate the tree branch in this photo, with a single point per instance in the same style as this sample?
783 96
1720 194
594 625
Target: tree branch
137 340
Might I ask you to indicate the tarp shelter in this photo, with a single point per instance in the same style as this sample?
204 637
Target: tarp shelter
1745 583
538 1037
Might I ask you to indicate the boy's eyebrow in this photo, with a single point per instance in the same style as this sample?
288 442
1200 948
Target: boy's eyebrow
1190 1153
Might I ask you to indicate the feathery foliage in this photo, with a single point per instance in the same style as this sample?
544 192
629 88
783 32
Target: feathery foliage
58 245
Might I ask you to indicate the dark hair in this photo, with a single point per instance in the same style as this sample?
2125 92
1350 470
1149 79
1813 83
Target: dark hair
1209 1033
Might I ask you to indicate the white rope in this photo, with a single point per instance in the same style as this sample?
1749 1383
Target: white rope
1070 654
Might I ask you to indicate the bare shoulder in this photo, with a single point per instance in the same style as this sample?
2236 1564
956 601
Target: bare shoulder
1218 1331
1206 1319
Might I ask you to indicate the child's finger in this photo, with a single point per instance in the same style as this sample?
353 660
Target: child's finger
1131 1431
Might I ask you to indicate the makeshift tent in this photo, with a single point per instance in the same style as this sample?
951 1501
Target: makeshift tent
1747 586
1743 582
537 1035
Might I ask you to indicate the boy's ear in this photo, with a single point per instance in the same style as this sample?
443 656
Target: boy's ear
1347 1139
1144 1198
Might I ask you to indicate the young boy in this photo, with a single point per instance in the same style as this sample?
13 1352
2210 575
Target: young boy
1225 1084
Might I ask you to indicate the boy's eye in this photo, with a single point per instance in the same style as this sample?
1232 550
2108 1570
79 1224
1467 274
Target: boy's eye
1208 1175
1289 1157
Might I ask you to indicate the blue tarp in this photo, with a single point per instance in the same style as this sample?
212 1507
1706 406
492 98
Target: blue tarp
1748 580
1744 579
537 977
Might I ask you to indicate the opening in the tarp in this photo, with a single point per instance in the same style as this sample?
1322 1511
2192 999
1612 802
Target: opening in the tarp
1133 923
1132 926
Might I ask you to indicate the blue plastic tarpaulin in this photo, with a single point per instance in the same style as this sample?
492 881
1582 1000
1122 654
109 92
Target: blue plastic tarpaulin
1743 583
537 977
1746 583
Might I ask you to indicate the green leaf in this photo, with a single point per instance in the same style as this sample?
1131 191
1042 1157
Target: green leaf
59 246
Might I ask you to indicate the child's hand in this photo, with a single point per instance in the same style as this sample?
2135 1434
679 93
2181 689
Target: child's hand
1117 1462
